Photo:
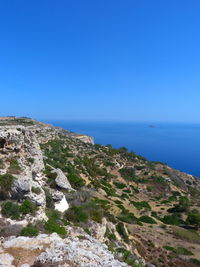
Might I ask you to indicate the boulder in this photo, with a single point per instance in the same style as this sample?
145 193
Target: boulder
61 180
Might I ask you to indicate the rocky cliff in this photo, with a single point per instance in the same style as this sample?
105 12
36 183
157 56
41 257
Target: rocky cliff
68 202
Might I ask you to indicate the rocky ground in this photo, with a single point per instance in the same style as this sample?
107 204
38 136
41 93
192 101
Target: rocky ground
66 201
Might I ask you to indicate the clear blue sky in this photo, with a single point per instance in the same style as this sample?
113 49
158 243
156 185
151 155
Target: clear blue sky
127 60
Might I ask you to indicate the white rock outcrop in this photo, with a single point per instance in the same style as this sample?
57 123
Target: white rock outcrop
62 205
83 251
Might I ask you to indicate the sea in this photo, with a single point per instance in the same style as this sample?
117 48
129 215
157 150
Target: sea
177 145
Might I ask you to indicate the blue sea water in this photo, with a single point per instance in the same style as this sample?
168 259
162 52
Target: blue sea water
178 145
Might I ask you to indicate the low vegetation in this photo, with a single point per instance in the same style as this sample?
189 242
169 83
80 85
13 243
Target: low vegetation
18 211
29 230
6 183
90 210
51 226
179 250
147 219
141 205
187 235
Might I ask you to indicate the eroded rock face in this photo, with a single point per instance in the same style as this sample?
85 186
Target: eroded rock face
86 139
72 251
79 252
98 230
22 157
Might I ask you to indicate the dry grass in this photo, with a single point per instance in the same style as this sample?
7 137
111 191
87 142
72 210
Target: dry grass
188 235
22 255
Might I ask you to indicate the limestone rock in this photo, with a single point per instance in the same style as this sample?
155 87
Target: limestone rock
61 180
98 229
6 260
71 251
23 183
86 139
76 252
56 195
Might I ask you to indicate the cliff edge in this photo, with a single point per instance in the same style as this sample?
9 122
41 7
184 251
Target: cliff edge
65 201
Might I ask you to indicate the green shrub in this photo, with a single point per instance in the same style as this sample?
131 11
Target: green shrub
92 168
128 217
53 214
120 206
158 179
119 185
147 219
128 257
188 182
121 230
16 211
128 191
89 210
182 206
183 251
128 174
171 219
110 217
141 205
27 207
179 250
176 193
75 180
135 189
76 214
52 227
6 182
169 248
11 210
193 219
177 209
105 183
109 191
124 196
172 198
195 261
149 188
155 215
104 204
118 202
29 231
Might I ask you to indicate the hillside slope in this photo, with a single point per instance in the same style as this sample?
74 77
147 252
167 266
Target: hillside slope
66 201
